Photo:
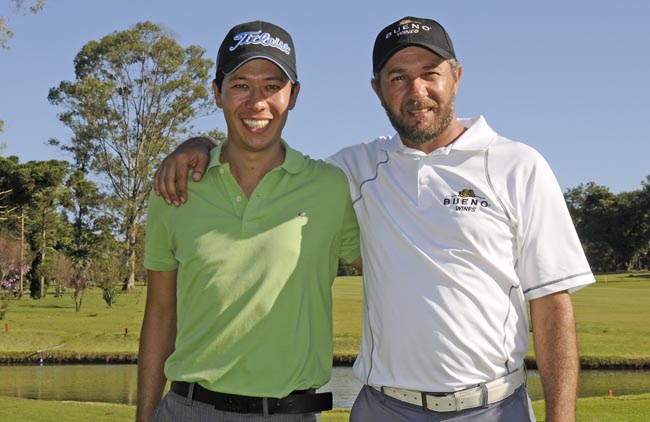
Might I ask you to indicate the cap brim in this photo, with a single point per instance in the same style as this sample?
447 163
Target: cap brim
292 77
438 51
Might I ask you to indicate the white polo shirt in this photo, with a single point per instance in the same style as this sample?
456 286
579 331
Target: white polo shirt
453 243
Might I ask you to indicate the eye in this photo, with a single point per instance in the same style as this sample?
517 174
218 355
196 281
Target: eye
431 74
240 86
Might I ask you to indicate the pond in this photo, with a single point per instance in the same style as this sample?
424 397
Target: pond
118 383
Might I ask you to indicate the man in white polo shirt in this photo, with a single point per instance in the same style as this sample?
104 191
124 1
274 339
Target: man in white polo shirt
459 227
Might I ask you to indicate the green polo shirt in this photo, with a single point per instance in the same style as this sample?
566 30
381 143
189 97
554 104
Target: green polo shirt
254 299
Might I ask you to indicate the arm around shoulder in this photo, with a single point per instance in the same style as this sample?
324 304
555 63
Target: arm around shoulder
170 180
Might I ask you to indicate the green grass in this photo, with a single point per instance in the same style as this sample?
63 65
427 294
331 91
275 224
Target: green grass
348 304
20 410
606 409
95 332
595 409
612 318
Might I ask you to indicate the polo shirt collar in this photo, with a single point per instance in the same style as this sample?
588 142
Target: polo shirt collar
293 160
478 136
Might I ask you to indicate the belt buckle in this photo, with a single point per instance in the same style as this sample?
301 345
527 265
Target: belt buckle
440 402
231 405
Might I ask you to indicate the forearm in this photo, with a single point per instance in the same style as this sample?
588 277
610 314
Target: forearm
198 142
156 344
157 339
556 352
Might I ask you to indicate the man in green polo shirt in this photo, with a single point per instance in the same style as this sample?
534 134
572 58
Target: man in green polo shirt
239 304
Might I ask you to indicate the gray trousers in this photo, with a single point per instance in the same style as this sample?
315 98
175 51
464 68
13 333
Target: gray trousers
175 408
373 406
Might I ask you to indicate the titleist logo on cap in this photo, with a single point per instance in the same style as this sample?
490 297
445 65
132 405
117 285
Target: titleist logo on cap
260 38
257 40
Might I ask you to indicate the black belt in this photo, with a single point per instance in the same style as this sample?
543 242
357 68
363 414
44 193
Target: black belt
304 401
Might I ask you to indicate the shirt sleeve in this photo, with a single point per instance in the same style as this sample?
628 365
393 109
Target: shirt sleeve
158 251
550 257
350 242
344 160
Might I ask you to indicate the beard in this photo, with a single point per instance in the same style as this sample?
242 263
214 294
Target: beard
421 132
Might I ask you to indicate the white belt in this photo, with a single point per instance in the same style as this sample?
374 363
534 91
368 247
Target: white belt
488 393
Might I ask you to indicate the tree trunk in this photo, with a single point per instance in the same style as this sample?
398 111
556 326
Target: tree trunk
22 251
129 280
41 293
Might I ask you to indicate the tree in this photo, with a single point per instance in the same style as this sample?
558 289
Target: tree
631 226
8 206
20 6
33 196
37 191
11 269
134 92
59 271
217 135
83 202
78 283
641 259
108 274
4 207
614 228
591 207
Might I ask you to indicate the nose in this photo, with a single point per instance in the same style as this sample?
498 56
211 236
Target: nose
257 99
417 88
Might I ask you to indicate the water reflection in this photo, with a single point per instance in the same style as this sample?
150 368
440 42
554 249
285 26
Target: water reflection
118 383
94 383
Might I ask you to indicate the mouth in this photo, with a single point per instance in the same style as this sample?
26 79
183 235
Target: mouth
420 108
256 123
417 111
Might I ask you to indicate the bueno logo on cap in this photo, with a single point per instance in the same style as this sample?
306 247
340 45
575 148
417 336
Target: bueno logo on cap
260 38
410 31
407 27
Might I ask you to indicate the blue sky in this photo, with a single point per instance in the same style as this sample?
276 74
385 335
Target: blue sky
566 77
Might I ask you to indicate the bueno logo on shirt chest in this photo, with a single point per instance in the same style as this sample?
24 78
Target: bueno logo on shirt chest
465 201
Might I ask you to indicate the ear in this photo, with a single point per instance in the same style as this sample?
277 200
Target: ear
459 74
295 90
217 93
374 83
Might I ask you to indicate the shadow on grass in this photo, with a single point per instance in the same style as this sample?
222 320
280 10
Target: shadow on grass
645 276
49 306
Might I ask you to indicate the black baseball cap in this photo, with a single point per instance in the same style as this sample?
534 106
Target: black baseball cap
257 40
409 31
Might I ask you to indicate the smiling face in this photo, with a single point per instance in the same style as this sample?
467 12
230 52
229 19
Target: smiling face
256 99
417 89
